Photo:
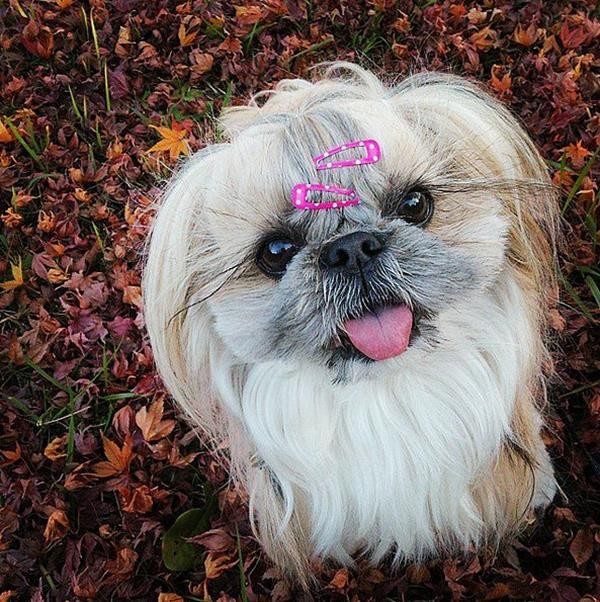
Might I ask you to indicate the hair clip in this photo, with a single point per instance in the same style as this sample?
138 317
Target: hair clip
373 154
300 194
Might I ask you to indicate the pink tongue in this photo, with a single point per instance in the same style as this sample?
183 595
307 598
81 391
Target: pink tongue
382 334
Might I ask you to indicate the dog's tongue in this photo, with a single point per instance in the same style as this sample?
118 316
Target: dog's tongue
382 334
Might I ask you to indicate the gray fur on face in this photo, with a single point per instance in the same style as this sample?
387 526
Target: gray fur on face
311 305
303 314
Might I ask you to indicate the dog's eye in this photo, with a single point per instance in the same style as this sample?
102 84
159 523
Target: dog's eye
415 207
274 255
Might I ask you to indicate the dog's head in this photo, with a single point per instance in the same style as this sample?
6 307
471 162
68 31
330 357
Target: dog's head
458 197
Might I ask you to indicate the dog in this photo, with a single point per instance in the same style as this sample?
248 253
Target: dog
349 294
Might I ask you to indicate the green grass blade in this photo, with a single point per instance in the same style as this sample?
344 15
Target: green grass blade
20 405
106 88
21 140
75 105
50 378
243 592
580 304
579 181
593 289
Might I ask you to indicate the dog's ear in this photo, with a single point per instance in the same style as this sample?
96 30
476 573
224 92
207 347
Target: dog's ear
173 282
491 140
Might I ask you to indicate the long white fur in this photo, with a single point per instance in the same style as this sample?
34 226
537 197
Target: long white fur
389 463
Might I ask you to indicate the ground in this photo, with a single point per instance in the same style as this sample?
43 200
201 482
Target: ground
98 102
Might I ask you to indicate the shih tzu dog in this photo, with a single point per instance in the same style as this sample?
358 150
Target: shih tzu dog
349 295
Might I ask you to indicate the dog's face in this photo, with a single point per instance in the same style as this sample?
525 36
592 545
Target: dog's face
344 288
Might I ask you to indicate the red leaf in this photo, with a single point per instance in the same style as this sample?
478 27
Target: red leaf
38 39
582 546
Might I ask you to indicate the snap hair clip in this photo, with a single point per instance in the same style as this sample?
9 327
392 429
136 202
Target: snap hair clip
301 197
373 154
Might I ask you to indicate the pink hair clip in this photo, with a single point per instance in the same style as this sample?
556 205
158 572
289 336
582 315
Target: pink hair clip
348 196
301 192
373 154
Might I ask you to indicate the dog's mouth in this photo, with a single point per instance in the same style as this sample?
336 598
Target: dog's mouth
379 334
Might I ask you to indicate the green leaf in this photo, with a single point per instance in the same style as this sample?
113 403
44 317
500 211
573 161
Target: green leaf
177 553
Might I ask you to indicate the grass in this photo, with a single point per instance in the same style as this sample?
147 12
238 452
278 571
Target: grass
579 181
106 88
370 38
589 275
31 146
69 412
243 591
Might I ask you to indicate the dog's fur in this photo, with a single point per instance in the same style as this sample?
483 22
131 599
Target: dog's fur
436 450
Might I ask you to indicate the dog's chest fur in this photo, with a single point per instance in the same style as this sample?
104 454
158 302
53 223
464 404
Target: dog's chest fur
390 464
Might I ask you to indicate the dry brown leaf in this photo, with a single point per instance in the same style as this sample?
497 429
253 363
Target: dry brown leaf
57 526
38 39
11 456
133 296
215 565
186 38
118 458
340 579
136 499
55 450
582 546
150 421
525 36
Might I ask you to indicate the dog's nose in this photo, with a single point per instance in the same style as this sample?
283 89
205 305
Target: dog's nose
352 251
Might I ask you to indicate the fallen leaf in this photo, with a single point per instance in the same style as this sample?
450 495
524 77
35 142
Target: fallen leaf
122 565
136 499
178 554
248 15
11 456
577 153
118 458
174 140
5 135
150 421
340 579
17 274
582 546
38 39
57 526
55 450
215 565
168 597
133 295
186 38
525 36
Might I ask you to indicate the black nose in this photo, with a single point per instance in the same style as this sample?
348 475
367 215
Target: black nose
352 251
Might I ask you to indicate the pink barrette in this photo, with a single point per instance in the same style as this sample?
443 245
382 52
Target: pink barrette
373 154
300 192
